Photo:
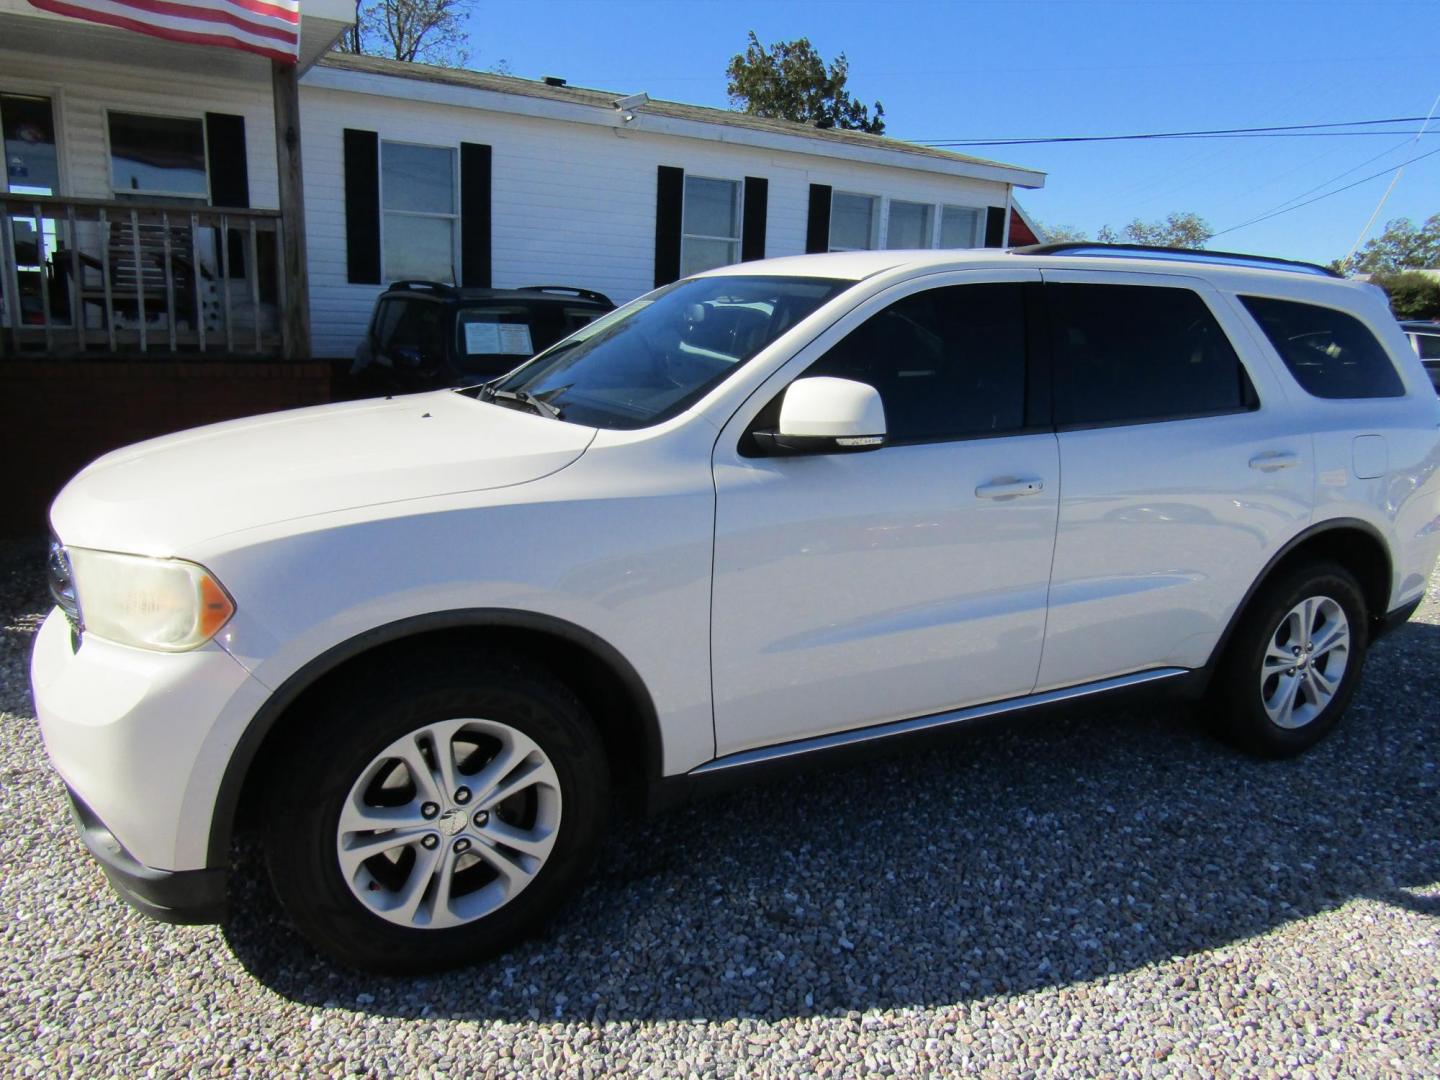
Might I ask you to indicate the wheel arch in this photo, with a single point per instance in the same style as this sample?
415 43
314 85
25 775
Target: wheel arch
606 682
1354 543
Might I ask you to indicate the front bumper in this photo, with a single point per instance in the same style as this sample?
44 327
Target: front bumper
175 896
141 739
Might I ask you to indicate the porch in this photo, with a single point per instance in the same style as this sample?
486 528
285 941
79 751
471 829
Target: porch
84 277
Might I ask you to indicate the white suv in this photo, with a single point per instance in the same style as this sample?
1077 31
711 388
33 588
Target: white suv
763 514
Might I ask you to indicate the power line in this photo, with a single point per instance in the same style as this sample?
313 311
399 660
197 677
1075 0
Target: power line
1200 133
1393 181
1318 198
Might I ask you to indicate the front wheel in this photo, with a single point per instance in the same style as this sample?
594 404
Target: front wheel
433 817
1293 666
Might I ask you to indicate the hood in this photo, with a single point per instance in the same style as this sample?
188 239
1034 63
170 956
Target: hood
157 497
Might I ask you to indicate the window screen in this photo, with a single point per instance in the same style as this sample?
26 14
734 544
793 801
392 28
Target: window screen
1138 353
712 224
949 363
417 185
1331 354
853 222
909 225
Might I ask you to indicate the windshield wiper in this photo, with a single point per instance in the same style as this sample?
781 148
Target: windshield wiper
524 397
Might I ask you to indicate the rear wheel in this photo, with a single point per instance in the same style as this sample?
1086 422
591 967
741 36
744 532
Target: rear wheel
430 818
1293 666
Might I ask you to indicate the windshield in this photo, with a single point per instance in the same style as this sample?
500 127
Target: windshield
653 358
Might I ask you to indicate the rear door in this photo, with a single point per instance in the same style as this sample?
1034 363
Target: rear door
1181 472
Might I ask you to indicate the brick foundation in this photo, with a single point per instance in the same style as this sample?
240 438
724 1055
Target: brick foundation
56 416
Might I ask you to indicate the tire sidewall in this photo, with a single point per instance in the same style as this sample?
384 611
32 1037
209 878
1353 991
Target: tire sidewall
1246 715
325 761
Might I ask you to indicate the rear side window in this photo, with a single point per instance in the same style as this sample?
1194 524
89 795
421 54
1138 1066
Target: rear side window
949 363
1429 346
1330 354
1140 353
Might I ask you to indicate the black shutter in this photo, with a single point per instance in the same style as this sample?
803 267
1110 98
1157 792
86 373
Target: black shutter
669 203
995 226
225 151
475 215
362 207
229 175
752 230
817 229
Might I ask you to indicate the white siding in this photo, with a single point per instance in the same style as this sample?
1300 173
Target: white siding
84 90
572 204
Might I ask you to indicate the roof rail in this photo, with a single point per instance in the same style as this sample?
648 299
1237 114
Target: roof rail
1179 254
570 290
417 284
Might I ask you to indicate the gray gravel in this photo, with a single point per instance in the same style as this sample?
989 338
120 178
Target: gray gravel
1115 895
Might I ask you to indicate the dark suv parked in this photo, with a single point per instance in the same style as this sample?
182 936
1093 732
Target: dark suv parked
425 335
1425 340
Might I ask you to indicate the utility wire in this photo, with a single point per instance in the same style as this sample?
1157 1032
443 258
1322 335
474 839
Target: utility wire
1393 181
1202 133
1317 198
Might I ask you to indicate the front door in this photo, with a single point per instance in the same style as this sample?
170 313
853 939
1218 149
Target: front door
855 589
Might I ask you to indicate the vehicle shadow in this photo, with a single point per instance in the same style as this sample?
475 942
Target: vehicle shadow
1008 860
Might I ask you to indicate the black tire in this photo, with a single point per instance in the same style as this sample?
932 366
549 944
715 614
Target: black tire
1236 700
317 766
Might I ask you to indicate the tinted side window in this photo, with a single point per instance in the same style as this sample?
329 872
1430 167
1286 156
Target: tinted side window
419 328
387 318
1331 354
949 363
1136 353
1429 346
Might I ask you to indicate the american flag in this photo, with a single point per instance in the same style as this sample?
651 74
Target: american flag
268 27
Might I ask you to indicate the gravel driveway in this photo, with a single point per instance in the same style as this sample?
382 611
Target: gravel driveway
1112 895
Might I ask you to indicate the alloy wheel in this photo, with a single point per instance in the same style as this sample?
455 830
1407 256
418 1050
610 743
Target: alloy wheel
1305 661
448 823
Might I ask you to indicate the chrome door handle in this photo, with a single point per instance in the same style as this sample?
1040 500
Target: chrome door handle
1274 460
1005 489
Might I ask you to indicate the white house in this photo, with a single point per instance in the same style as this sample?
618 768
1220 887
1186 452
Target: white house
479 179
144 212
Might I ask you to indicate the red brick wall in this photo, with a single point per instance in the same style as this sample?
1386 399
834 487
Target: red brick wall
56 416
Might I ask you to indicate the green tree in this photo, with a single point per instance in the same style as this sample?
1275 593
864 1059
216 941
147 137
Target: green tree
1412 295
1063 234
790 81
1187 230
1402 246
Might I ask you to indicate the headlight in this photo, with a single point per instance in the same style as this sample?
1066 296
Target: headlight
165 604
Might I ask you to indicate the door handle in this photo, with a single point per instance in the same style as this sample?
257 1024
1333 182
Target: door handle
1274 460
1005 489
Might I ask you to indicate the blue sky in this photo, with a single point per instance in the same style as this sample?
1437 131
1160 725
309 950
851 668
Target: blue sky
1014 68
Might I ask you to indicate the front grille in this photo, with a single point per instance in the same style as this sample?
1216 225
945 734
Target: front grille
62 584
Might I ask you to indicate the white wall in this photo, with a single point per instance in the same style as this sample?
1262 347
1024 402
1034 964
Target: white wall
572 204
83 90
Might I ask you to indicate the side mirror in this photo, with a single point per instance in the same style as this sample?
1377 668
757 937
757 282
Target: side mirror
824 415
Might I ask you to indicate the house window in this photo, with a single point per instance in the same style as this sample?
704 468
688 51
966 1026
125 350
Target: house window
959 227
32 166
711 233
157 155
854 222
417 197
910 225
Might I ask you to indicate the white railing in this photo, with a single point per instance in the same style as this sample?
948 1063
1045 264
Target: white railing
87 277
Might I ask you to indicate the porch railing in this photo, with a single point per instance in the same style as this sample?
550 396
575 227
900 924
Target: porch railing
89 277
